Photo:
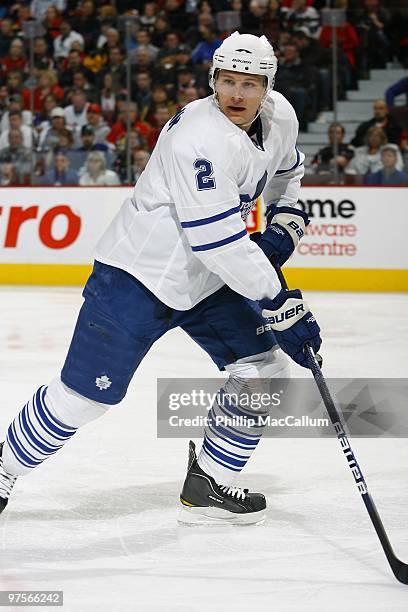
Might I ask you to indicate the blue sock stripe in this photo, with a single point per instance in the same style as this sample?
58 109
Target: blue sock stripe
212 428
22 457
33 429
19 444
51 416
224 450
48 426
224 411
30 438
223 457
238 410
218 461
18 459
228 432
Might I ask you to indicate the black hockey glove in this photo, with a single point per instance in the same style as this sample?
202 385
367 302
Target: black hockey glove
292 323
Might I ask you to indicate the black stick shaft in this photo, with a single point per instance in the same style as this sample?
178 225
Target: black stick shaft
399 568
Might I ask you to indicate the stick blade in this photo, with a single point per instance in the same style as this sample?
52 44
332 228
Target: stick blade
400 570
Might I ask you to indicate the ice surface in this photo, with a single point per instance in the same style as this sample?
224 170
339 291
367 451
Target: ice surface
99 519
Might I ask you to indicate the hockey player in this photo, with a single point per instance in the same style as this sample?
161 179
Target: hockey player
178 254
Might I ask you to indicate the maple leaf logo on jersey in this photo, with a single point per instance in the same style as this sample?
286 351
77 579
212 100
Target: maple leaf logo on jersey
103 382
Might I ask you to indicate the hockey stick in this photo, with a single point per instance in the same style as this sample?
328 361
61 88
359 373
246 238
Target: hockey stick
399 568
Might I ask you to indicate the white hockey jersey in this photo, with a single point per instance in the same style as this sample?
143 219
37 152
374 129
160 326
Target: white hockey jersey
182 233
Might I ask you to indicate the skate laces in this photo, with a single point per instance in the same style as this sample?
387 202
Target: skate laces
236 492
6 482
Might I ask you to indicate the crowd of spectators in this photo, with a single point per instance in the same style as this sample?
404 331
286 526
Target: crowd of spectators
377 154
70 115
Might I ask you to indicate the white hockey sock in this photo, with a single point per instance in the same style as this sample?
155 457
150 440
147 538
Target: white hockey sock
40 429
34 435
227 447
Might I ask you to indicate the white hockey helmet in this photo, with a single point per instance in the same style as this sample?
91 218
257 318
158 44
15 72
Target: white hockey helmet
245 53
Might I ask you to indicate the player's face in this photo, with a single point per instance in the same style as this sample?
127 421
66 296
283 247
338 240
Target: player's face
239 96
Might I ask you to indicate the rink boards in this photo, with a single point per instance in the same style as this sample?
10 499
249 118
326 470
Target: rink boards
355 241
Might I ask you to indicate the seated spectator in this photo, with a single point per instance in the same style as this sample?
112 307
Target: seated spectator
176 15
253 18
160 97
72 64
108 97
134 141
8 174
204 51
49 137
161 117
324 161
88 144
367 159
51 23
313 54
297 82
65 145
15 60
15 103
75 113
15 85
144 39
119 129
140 157
148 17
86 22
142 92
42 58
16 153
299 15
63 42
39 7
96 121
16 123
96 172
160 29
47 83
6 36
388 175
371 22
115 67
381 119
60 173
81 81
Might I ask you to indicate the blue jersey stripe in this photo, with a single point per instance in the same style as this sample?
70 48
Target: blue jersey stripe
218 243
207 220
295 165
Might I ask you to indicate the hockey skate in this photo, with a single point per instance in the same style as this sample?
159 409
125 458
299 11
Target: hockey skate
205 502
6 483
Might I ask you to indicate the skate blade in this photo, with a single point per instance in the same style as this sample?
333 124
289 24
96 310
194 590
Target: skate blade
196 515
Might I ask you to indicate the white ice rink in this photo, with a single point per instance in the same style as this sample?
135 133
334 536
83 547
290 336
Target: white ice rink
98 521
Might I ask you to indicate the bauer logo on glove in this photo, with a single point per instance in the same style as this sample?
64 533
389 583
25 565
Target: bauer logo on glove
287 225
293 324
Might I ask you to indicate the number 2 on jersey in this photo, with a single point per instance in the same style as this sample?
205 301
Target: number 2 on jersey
204 174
